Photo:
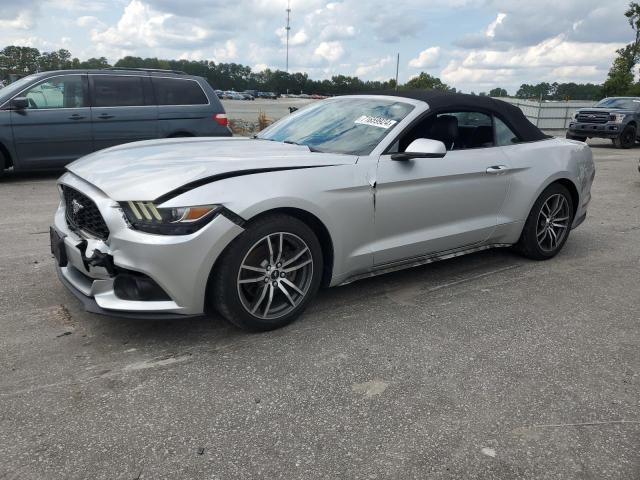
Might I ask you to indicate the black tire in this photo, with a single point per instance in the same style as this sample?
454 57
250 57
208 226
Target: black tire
627 138
529 244
228 296
3 164
572 137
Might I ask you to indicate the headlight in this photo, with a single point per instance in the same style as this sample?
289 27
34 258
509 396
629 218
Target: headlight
147 217
616 117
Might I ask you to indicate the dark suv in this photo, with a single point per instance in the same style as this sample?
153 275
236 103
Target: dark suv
49 119
616 118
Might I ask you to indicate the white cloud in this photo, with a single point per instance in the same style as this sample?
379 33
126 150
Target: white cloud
140 25
81 5
426 59
330 51
491 29
24 21
89 21
579 71
365 69
555 59
298 38
519 42
337 32
226 53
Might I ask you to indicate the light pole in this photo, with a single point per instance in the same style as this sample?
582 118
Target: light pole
288 28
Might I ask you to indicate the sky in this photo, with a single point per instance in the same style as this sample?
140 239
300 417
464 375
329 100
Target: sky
473 45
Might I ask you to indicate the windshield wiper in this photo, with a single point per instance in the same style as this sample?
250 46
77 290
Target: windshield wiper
291 142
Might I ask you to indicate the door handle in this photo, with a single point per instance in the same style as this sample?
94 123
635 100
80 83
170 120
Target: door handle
105 116
497 169
76 116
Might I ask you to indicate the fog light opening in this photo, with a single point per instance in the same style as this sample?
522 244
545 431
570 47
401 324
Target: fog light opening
138 288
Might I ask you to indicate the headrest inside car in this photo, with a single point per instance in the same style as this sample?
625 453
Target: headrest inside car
445 129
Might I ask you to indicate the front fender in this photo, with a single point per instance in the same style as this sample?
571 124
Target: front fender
339 196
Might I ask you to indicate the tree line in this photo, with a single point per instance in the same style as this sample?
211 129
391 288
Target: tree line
16 61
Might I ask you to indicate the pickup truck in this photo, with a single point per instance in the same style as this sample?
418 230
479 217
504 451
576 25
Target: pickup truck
616 118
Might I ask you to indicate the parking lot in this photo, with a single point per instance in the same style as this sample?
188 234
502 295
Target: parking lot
485 366
248 110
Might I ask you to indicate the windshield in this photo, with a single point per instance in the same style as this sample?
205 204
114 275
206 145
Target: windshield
10 90
622 103
351 126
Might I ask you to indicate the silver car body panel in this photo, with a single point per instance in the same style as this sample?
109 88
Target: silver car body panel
380 214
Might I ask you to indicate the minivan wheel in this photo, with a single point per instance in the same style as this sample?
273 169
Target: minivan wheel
266 277
627 138
548 224
3 164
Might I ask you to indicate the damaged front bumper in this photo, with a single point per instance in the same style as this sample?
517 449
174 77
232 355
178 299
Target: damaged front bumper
132 273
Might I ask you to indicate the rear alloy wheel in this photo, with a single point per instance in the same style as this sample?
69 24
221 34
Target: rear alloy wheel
627 138
268 274
548 225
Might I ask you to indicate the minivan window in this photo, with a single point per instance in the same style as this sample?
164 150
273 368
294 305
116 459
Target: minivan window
117 91
57 92
173 91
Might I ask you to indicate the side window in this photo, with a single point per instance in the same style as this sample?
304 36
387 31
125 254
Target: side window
474 129
117 91
457 130
504 135
58 92
172 91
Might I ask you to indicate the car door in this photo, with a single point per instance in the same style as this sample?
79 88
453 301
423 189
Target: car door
426 206
55 129
123 109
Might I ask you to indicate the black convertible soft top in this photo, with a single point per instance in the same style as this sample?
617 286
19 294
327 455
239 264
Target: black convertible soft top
438 101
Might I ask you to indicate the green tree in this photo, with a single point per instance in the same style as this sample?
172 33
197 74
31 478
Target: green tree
540 91
498 92
18 60
424 81
94 63
620 79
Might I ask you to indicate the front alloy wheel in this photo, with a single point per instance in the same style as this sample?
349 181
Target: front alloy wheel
275 275
268 274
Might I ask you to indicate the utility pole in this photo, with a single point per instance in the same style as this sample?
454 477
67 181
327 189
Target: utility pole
288 28
397 68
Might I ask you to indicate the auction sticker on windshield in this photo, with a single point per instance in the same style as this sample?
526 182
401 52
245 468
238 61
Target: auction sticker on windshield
379 122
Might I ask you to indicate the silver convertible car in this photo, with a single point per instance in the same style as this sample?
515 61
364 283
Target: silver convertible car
343 189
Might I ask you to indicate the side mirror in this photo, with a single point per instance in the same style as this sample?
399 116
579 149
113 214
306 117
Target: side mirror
421 148
19 103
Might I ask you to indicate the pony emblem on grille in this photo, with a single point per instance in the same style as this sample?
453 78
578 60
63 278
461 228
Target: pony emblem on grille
76 206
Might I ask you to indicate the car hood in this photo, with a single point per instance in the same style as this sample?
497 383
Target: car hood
606 110
152 169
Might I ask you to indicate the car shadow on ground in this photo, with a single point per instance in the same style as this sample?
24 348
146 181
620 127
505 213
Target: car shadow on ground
329 304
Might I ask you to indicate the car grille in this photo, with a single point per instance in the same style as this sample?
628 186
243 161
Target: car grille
593 117
83 214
